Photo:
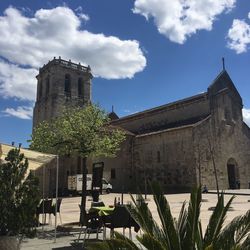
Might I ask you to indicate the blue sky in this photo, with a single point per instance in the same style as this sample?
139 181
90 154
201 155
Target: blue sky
143 53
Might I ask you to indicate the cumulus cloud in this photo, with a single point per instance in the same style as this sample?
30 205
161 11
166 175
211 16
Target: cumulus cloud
179 19
29 42
16 82
21 112
239 35
246 116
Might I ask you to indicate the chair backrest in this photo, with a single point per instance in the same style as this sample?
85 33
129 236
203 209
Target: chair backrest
48 206
97 204
120 217
59 202
45 206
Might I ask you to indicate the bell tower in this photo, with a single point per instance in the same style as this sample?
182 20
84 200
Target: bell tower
60 84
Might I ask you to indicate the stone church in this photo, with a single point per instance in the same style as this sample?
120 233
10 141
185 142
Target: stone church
180 144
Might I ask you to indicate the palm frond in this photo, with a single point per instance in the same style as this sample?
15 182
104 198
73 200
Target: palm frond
118 242
192 226
243 228
246 244
143 216
216 220
182 222
172 240
151 243
199 241
236 232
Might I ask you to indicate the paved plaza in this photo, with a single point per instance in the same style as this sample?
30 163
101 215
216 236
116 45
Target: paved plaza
68 232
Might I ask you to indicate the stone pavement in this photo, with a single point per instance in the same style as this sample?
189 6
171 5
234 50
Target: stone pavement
70 215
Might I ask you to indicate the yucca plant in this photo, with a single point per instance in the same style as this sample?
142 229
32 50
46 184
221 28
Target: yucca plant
184 233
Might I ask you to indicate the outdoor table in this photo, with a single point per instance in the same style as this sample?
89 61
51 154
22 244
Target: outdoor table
102 211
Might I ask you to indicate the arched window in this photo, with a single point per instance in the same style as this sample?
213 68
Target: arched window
47 85
80 87
67 87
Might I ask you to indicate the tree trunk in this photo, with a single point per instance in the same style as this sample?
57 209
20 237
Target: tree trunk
84 192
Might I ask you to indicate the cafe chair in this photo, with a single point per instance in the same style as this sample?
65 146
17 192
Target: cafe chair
97 204
53 208
120 218
44 208
91 223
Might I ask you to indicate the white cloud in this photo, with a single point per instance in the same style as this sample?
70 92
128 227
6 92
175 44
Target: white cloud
21 112
34 40
16 82
239 35
246 116
179 19
81 15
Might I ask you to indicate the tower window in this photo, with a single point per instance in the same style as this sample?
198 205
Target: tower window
67 85
113 174
40 89
47 85
158 156
80 87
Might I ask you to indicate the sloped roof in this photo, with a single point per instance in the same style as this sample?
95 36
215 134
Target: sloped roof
162 107
223 81
113 116
36 159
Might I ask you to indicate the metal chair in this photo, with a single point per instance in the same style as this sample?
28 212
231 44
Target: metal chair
44 208
91 223
120 218
53 208
97 204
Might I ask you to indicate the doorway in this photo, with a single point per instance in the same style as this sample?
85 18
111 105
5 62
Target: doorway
233 178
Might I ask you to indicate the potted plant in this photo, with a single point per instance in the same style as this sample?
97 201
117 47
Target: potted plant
19 197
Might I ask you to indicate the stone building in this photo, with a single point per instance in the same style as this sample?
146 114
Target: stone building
180 144
60 84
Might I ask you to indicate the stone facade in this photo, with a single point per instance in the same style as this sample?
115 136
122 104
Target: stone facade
61 84
182 144
179 145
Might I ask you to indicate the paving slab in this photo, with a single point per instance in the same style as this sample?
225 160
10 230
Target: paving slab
70 216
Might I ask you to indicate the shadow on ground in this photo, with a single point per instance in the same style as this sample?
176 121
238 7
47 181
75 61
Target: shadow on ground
77 246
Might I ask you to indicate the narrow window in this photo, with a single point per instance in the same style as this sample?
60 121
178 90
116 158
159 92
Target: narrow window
40 89
47 85
113 174
80 87
67 87
158 156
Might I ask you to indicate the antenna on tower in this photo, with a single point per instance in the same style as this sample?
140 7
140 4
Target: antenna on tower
112 108
223 63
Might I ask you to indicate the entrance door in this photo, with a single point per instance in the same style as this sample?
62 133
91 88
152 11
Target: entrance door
231 176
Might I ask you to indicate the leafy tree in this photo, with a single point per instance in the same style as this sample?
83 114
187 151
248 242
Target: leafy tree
83 132
186 231
19 196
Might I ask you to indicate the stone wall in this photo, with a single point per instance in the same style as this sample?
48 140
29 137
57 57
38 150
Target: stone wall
166 157
50 103
119 170
223 138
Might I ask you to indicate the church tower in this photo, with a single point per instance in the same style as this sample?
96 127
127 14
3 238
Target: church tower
60 84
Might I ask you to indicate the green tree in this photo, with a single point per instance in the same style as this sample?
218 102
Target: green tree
83 132
19 195
184 233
